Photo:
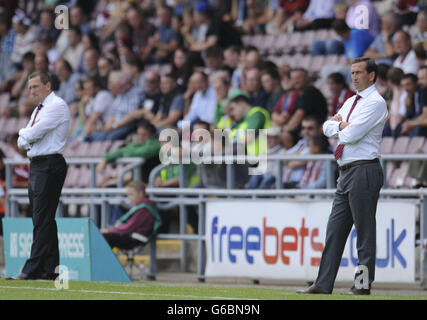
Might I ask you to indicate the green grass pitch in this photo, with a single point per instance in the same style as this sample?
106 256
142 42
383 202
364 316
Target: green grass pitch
146 290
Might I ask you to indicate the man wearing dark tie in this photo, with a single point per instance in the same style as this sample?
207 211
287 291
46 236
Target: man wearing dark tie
358 126
44 138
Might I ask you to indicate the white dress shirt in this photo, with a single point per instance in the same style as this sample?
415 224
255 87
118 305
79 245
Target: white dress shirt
202 107
409 64
49 133
362 137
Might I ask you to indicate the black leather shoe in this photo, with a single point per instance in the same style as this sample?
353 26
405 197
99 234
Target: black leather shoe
49 276
21 276
354 291
313 289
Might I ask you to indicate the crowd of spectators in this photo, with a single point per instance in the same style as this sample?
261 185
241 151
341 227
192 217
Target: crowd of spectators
128 69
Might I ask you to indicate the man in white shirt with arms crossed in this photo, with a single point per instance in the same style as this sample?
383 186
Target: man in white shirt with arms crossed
358 126
45 138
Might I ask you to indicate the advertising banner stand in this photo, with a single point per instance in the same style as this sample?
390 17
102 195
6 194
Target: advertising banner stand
82 249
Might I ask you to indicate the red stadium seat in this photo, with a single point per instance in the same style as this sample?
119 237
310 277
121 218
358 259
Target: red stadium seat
415 143
387 145
400 145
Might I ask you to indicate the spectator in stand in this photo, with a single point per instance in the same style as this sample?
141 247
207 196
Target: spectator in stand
204 33
163 43
262 19
7 70
135 67
79 19
245 117
319 15
7 34
309 102
75 49
355 41
396 107
382 48
417 125
382 84
171 104
315 173
47 25
127 99
142 30
249 58
421 36
407 9
96 111
407 60
421 54
136 226
340 92
45 46
204 100
270 79
169 176
213 59
41 63
232 56
266 180
68 80
144 144
182 67
150 99
25 37
253 87
18 82
353 19
411 101
105 66
294 170
90 62
285 107
290 12
222 87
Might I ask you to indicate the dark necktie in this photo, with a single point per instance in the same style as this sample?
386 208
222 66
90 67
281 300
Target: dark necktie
37 112
340 147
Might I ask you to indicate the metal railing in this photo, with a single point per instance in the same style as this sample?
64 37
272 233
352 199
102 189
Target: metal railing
182 197
131 164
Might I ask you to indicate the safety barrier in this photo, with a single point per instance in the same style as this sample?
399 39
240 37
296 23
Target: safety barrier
182 197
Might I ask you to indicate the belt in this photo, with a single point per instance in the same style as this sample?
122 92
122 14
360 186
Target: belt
45 157
356 163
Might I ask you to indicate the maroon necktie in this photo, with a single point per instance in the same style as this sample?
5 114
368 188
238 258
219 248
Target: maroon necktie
340 147
37 111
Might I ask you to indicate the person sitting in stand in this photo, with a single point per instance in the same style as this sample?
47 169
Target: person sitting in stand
137 225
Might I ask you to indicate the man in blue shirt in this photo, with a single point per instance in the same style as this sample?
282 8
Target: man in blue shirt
356 41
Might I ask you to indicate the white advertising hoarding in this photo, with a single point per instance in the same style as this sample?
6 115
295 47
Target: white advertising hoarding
285 240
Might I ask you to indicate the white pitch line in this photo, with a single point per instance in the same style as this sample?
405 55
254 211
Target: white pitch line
124 293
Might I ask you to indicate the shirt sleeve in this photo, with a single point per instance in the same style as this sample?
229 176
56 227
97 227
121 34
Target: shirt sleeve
49 121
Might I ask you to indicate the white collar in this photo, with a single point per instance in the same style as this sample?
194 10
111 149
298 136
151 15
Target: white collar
48 98
366 92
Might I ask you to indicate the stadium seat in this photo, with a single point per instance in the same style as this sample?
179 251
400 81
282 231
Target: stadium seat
266 44
116 144
387 145
281 45
317 64
400 145
415 143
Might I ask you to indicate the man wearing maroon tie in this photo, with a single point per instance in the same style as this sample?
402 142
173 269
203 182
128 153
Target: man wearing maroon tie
44 138
358 126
